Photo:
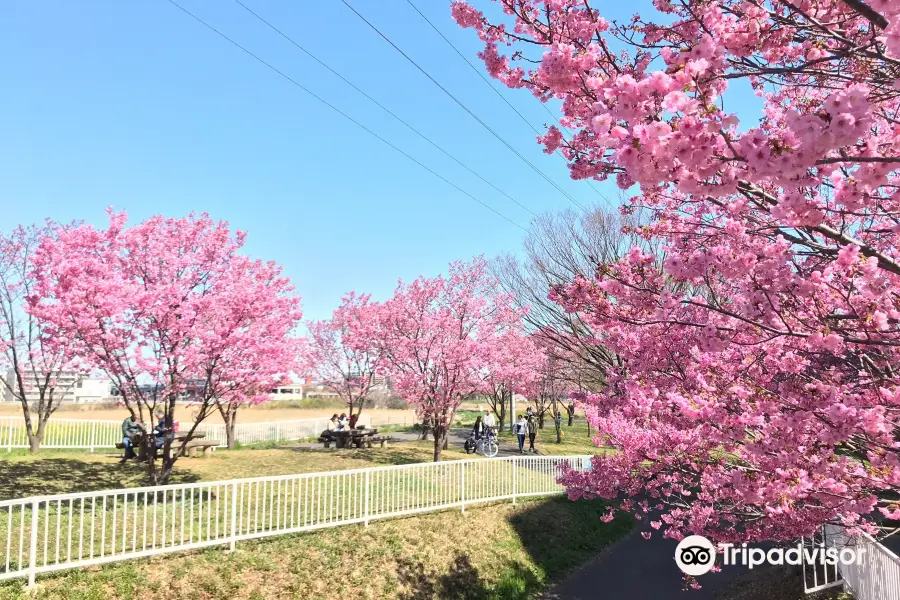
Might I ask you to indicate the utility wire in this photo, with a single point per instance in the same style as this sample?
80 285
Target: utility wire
474 68
380 105
480 73
340 112
466 108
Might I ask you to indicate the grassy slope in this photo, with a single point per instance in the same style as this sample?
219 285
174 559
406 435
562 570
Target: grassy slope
496 551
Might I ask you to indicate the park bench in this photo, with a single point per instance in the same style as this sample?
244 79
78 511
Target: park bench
206 446
382 440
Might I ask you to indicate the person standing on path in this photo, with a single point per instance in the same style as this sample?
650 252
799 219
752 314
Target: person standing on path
489 423
532 429
521 432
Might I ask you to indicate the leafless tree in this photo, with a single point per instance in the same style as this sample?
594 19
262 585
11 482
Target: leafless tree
559 248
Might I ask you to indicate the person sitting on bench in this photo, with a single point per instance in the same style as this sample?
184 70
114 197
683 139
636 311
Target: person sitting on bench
160 433
131 429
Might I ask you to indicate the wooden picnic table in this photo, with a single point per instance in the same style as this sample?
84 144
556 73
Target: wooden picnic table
345 438
179 437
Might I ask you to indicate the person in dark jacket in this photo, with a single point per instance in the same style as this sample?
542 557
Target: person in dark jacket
532 429
478 429
160 433
131 429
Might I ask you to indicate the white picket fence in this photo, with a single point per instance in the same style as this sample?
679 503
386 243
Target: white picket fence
62 433
875 577
92 434
50 533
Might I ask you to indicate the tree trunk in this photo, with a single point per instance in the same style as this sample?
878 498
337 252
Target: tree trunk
541 421
161 476
230 422
35 437
571 416
502 419
229 435
558 431
438 443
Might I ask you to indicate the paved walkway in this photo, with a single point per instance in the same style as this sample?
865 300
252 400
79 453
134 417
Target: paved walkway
640 569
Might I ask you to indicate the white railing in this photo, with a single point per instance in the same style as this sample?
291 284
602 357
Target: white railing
62 433
50 533
875 576
90 434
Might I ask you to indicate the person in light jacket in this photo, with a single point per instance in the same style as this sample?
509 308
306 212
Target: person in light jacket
521 432
489 422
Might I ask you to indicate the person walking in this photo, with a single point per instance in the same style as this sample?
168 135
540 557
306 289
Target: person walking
521 432
532 430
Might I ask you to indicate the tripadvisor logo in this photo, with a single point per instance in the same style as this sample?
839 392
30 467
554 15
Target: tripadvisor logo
695 555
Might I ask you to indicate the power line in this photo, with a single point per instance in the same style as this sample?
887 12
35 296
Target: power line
589 182
380 105
466 108
340 112
496 91
473 67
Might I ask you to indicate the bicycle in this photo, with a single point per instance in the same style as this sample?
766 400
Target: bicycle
486 445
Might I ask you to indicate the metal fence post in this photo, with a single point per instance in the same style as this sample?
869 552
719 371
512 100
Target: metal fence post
366 499
93 435
462 484
514 479
233 516
9 438
32 553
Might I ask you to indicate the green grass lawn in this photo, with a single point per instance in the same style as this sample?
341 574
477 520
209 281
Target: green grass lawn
493 551
498 551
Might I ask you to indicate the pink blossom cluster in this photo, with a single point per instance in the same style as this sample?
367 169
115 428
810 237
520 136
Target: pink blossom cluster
342 352
444 338
772 405
170 302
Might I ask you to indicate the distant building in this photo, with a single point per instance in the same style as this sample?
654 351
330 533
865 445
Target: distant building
70 387
193 391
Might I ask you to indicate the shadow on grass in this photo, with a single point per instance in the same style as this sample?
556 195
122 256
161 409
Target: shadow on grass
46 476
463 582
560 535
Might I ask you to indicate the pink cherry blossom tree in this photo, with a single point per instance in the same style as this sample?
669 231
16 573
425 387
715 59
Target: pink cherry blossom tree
31 365
757 395
552 382
438 335
514 369
164 307
343 353
257 347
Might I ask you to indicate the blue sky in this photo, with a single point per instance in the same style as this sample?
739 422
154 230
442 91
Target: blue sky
135 105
